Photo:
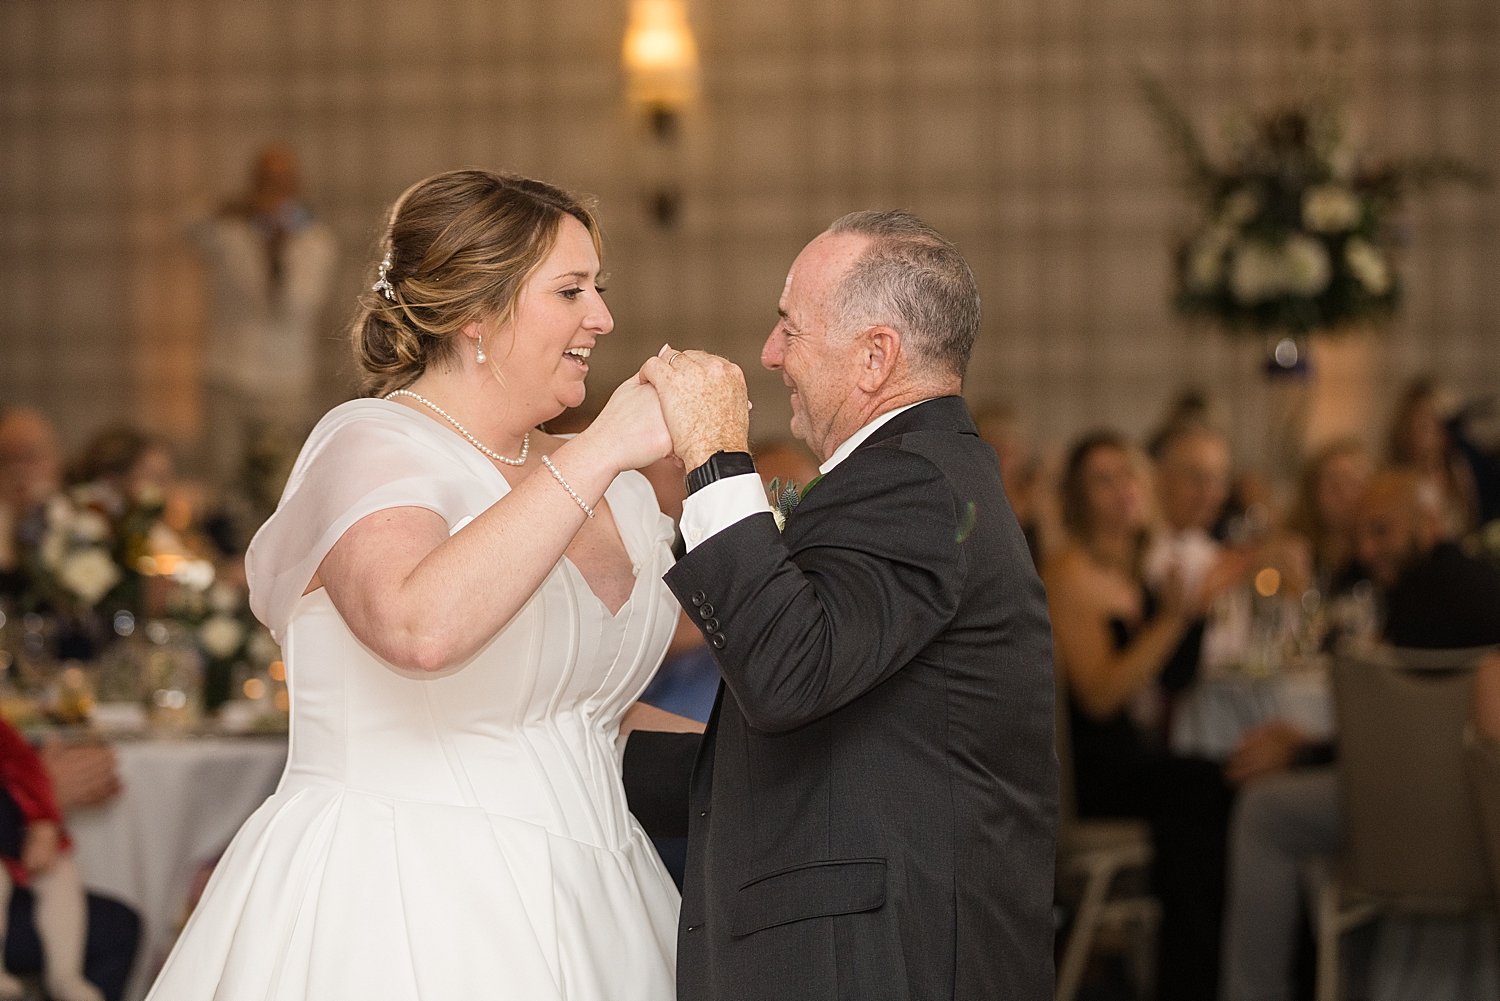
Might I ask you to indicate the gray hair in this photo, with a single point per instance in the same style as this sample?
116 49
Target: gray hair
913 279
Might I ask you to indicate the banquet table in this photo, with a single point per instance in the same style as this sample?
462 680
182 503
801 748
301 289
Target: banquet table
1210 718
183 800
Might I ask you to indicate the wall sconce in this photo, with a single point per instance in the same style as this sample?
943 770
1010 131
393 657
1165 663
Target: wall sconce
660 57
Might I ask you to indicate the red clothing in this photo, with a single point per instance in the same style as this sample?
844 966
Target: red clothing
25 778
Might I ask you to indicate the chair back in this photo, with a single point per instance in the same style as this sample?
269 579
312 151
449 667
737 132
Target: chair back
1411 833
1483 759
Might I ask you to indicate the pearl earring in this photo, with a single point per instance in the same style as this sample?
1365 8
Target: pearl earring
479 354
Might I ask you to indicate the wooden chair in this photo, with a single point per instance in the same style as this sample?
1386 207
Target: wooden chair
1091 854
1411 835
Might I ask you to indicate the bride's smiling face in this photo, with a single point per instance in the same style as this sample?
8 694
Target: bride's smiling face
542 353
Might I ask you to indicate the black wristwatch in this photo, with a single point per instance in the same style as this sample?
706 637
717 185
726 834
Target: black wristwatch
721 465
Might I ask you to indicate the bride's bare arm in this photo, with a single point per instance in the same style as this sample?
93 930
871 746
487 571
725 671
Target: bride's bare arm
423 600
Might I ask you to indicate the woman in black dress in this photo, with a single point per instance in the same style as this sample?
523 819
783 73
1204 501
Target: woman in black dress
1112 640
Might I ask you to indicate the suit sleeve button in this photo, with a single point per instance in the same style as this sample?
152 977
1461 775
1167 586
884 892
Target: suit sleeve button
698 597
712 625
717 641
705 611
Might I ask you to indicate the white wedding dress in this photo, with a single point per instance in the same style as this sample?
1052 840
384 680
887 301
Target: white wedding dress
452 836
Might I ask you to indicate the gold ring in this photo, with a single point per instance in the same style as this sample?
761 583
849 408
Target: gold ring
673 358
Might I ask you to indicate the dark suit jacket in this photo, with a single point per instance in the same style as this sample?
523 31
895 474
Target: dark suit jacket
872 812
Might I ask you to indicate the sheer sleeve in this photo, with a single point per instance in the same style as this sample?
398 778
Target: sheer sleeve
364 456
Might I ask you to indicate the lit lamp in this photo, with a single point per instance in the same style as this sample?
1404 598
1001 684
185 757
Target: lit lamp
661 62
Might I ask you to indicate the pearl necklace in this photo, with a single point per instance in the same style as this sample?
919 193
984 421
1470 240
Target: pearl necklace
525 439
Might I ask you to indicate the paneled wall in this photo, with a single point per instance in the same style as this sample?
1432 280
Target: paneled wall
1012 125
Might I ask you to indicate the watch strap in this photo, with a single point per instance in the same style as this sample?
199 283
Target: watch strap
720 466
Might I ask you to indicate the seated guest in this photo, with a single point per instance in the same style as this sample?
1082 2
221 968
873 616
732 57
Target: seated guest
1435 597
131 465
84 946
1021 474
1420 440
30 472
1192 485
1328 492
1111 641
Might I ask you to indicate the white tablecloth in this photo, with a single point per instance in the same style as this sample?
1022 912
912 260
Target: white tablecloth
183 801
1212 716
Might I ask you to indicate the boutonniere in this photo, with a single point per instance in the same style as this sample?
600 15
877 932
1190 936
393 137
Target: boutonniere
786 497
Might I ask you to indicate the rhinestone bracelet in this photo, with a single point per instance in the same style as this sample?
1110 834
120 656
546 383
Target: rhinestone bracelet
571 492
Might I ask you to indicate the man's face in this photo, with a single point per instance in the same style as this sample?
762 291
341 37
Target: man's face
1193 481
1388 536
819 361
30 464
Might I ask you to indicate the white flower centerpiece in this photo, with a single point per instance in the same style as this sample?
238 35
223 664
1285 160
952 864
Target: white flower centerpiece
1294 237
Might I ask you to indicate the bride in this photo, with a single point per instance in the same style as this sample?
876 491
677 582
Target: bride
467 609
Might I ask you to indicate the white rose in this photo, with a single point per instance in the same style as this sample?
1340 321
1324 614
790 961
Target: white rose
90 526
89 574
221 636
1255 273
196 575
1368 266
1307 266
1330 208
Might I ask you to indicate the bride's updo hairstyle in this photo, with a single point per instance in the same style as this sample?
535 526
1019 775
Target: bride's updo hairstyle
459 247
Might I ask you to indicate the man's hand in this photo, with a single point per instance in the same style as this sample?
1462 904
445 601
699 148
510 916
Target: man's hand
41 848
705 403
82 774
1264 751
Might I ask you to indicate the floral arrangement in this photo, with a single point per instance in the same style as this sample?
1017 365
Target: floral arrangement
1295 232
73 565
221 625
94 547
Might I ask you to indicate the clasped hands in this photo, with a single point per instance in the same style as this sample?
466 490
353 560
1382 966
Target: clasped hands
687 404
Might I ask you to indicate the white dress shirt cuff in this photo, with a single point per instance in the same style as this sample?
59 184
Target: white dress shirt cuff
720 504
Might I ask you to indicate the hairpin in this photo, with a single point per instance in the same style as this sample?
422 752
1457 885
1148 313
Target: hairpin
384 286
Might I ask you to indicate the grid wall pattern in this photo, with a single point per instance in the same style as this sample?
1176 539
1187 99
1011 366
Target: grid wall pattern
1015 126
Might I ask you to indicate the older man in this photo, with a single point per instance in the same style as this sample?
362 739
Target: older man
1435 597
873 807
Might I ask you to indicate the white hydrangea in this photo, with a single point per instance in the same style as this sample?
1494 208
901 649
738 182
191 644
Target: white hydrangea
89 574
1368 265
221 636
1330 208
1255 273
1261 272
1308 269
